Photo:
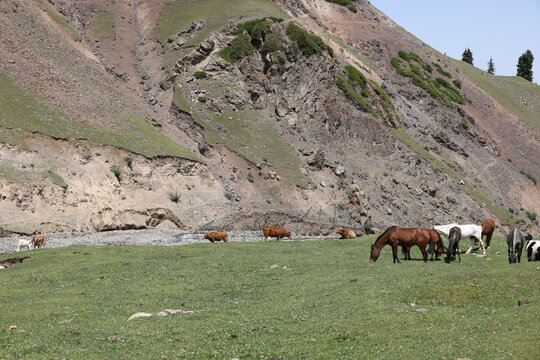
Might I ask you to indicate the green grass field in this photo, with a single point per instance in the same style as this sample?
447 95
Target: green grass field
329 303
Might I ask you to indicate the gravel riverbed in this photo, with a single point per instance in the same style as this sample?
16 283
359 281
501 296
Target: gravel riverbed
160 237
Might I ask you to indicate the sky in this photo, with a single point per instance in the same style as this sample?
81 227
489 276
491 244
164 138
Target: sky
500 29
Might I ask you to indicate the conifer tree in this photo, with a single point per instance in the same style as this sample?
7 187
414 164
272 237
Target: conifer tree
491 66
524 65
467 56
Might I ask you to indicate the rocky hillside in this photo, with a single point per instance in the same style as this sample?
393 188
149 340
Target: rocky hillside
233 115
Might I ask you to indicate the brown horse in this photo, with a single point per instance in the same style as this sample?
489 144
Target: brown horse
436 240
488 227
406 237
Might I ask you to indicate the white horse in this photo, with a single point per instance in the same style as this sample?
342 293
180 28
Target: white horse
25 244
471 230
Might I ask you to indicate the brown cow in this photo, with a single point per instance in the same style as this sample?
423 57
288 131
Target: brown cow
488 227
346 233
39 241
216 236
276 232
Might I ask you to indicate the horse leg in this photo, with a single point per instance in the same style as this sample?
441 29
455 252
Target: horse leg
395 253
470 247
488 240
520 247
424 253
459 255
482 245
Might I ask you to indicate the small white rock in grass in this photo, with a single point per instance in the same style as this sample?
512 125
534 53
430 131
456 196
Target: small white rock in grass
166 312
275 266
138 315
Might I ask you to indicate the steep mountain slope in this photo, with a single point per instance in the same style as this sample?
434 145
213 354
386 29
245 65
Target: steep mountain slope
111 109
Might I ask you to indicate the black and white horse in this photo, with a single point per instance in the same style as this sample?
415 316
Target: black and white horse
533 250
453 248
516 241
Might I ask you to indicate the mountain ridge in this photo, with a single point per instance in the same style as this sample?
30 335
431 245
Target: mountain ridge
320 157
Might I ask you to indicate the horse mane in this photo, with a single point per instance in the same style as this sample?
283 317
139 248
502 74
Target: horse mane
384 233
439 241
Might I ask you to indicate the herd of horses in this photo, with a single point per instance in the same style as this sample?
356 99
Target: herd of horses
431 238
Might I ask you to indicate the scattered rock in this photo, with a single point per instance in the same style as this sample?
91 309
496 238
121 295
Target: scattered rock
323 183
139 315
275 266
292 121
339 170
523 302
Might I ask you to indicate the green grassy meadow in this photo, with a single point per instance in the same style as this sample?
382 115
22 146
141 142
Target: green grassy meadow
329 303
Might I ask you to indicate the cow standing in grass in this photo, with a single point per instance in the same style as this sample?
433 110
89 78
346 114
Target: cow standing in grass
216 236
39 241
276 232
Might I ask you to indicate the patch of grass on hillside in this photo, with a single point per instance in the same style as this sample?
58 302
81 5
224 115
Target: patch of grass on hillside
240 47
308 43
177 15
29 175
348 3
350 92
31 113
104 26
406 64
517 95
452 170
329 302
528 176
357 89
62 21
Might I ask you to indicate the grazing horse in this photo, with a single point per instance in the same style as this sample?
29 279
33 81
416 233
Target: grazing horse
436 240
406 237
488 227
516 240
470 230
453 247
533 250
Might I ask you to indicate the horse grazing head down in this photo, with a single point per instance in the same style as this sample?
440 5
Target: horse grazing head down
374 255
377 245
516 241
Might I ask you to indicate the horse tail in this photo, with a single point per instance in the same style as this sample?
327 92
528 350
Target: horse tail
440 243
430 248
